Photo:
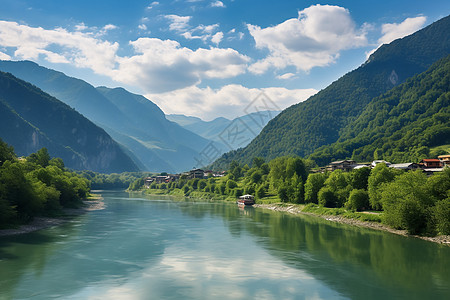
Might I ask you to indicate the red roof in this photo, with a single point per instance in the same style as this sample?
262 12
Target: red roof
431 160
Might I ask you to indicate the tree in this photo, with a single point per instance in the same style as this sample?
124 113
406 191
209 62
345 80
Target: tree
6 152
359 178
327 197
260 192
312 187
257 162
283 193
337 183
41 157
406 201
379 175
442 216
358 200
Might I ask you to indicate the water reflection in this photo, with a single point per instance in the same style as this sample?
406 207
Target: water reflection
162 249
357 262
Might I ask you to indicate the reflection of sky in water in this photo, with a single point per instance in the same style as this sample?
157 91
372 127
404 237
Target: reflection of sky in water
214 265
163 250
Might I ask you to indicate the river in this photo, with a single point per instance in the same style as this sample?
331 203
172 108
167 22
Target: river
155 248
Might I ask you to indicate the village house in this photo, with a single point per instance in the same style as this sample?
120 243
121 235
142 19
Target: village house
148 181
430 163
196 173
445 159
376 162
345 165
405 166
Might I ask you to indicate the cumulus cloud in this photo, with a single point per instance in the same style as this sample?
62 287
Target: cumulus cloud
161 66
395 31
217 38
4 56
314 39
178 23
217 4
155 66
229 101
152 5
78 48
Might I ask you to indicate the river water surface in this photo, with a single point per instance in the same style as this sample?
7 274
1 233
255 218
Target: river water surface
156 248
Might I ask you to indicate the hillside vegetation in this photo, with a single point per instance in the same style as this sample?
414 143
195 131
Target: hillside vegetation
401 125
320 120
31 119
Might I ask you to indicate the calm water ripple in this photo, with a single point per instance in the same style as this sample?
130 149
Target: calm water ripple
150 248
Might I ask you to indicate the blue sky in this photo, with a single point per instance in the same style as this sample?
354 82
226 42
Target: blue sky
208 58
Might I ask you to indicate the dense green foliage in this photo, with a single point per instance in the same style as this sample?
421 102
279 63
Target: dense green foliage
402 199
37 185
100 181
31 119
318 121
401 125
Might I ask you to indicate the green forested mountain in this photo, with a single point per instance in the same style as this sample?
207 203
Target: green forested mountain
318 121
152 141
400 125
31 119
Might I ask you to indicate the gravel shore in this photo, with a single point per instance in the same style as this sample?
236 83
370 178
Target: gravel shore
293 209
39 223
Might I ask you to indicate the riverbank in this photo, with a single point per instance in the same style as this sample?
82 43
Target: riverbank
38 223
296 209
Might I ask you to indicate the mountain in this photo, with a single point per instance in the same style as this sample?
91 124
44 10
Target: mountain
318 121
172 144
215 130
154 143
31 119
400 125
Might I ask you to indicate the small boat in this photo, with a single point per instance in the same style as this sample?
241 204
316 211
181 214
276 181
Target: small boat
246 200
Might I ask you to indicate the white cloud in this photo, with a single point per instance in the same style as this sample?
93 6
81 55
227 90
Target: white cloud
217 4
286 76
161 66
78 48
81 27
4 56
229 101
155 66
217 38
142 27
314 39
178 23
153 4
395 31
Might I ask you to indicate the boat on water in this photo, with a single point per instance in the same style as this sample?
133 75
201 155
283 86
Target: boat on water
246 200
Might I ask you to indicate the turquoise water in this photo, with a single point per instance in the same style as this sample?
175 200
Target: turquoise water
155 248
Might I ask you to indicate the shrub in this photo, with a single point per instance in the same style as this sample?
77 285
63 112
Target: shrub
358 200
327 198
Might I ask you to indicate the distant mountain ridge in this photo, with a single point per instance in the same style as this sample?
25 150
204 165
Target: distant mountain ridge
318 121
31 119
215 130
154 143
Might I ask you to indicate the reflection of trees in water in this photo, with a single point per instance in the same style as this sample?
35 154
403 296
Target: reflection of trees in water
27 253
354 260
